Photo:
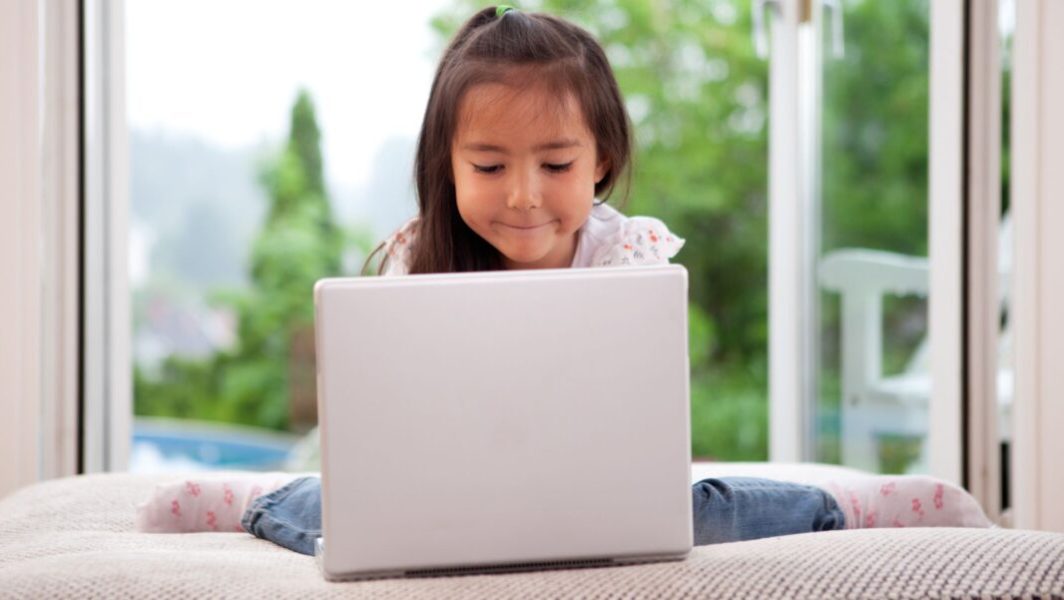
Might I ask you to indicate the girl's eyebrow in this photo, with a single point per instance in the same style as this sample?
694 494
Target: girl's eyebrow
553 145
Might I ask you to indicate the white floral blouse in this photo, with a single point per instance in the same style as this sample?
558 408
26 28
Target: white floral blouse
608 238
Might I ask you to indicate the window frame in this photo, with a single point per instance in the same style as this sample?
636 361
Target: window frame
982 458
107 407
107 373
61 232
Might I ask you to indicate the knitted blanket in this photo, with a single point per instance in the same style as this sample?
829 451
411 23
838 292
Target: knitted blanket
74 537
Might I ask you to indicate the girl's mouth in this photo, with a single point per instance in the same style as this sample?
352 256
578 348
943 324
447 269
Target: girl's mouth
525 227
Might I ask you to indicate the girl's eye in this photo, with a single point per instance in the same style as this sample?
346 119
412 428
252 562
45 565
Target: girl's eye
552 167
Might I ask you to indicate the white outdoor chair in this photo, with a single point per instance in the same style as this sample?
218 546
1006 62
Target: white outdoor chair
874 406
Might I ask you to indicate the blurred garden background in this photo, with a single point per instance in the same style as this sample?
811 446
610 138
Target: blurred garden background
229 242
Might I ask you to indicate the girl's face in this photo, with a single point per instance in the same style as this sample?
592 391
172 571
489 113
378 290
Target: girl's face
525 167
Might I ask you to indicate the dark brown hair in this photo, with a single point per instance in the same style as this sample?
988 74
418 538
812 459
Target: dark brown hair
516 48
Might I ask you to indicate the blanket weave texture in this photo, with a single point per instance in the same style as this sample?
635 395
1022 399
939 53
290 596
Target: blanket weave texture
75 537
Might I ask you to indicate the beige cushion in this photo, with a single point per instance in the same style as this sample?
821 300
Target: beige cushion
75 538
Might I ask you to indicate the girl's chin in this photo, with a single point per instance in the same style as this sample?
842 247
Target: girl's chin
532 252
522 262
527 260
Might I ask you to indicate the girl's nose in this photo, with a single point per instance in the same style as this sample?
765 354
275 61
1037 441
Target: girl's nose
524 193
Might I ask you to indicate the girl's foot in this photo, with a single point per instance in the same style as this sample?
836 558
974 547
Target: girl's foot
906 501
205 503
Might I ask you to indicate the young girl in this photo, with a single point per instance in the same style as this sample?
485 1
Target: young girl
525 127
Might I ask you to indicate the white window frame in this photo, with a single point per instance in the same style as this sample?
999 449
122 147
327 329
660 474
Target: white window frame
945 237
1037 182
790 212
61 247
983 221
107 373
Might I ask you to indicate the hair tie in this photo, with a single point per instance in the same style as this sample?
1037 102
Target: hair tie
502 9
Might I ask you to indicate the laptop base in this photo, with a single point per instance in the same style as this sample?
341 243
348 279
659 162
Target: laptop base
488 568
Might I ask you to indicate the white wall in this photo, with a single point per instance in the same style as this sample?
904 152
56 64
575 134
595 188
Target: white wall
20 250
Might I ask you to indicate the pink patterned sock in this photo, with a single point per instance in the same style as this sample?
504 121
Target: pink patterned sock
205 502
905 501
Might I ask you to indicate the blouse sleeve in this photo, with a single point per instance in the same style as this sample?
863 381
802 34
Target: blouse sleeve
397 250
641 241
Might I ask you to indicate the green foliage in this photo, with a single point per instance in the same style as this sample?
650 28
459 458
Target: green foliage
729 415
875 137
298 244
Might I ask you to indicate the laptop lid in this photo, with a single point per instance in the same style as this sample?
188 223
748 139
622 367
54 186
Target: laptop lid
505 418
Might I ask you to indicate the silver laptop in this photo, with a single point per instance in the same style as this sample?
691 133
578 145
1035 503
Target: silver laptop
503 421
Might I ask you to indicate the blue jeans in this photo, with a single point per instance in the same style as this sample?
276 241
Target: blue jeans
729 509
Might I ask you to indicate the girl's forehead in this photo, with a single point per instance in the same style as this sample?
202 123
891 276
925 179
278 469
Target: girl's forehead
500 112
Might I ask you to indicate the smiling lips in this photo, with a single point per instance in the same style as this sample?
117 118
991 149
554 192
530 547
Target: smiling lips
525 227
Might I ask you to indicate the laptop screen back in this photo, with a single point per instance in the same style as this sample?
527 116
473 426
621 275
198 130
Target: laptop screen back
496 418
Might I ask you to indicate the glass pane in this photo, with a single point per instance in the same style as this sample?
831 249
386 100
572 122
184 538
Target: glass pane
873 375
262 158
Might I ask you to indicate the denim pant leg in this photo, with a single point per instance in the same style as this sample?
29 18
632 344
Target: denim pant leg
729 509
733 509
289 516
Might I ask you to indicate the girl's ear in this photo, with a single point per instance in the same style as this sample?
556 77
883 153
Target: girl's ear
601 169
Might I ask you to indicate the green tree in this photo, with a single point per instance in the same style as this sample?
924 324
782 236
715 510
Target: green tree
270 371
299 243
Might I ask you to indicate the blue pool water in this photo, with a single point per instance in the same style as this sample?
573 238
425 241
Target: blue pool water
179 445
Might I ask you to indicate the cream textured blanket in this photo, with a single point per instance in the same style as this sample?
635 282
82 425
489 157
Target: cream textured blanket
75 538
